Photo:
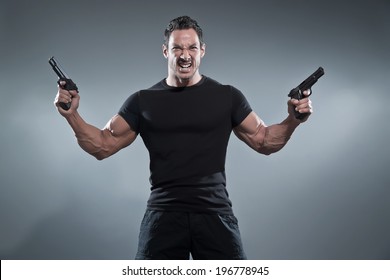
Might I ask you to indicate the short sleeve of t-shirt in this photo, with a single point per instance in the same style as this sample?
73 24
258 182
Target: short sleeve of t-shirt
240 107
130 111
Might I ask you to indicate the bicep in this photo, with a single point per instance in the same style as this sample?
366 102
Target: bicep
252 131
118 134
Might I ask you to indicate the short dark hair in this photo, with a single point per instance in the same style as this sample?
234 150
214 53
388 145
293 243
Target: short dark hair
182 22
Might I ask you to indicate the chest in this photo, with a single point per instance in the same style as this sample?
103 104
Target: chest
185 111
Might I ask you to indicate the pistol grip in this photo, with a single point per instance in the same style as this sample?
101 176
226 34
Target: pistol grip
296 93
70 85
300 116
65 106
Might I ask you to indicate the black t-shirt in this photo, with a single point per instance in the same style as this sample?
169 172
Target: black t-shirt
186 131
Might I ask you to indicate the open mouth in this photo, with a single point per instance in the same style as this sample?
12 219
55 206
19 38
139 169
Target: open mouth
183 64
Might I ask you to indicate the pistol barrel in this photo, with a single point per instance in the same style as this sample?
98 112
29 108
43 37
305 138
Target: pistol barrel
313 78
318 74
56 69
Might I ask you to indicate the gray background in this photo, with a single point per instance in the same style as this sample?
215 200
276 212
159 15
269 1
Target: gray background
324 196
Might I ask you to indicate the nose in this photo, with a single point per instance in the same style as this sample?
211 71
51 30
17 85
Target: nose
185 54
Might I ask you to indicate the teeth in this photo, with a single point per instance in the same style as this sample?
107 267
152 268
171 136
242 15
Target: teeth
185 65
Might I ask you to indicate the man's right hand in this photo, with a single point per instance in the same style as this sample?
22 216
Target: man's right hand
66 96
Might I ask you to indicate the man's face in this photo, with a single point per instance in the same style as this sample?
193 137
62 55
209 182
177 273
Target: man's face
184 53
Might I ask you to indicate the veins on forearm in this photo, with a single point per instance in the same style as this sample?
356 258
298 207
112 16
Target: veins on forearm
89 138
276 137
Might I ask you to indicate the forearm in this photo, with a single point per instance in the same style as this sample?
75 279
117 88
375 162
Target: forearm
276 136
89 138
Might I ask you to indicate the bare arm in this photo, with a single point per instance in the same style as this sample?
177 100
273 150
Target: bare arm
270 139
100 143
265 139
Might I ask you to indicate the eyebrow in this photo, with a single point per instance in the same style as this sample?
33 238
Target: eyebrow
179 46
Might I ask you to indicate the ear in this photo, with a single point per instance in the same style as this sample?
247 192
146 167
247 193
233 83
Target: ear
165 50
202 50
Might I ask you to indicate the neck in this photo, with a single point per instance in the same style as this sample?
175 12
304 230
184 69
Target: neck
174 81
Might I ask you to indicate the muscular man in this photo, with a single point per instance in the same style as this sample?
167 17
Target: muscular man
185 122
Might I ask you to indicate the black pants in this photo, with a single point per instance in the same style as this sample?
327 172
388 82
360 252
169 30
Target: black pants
176 235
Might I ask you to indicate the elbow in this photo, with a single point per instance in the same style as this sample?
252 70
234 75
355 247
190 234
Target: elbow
97 152
262 149
266 153
99 157
271 146
262 146
267 149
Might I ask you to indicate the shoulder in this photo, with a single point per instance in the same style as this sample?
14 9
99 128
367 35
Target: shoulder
134 97
226 87
210 81
132 101
158 86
